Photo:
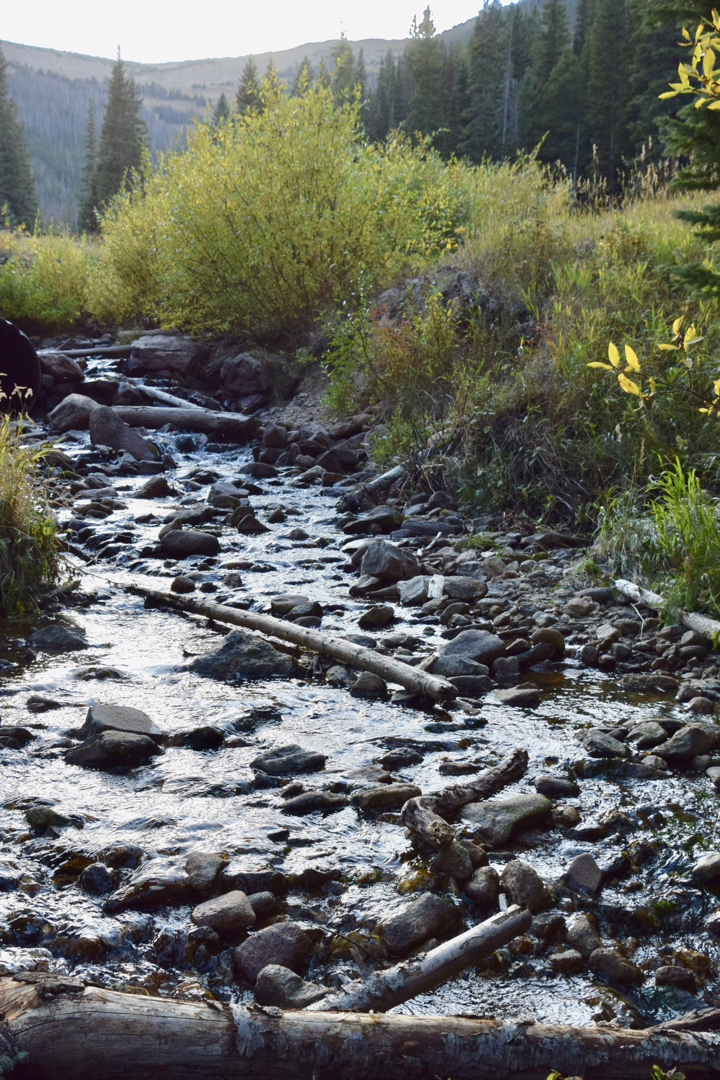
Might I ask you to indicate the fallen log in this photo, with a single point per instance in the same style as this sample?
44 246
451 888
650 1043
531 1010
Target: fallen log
417 682
380 483
153 394
90 1033
109 351
426 816
701 624
234 426
384 990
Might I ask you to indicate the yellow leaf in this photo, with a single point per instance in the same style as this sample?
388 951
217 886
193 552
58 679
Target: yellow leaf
628 385
632 360
677 324
614 355
708 63
672 93
668 348
714 105
652 384
596 363
685 34
716 387
687 361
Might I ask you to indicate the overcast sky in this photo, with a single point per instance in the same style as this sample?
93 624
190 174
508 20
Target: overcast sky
156 31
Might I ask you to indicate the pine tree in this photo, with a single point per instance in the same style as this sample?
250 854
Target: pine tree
452 103
487 60
401 90
122 135
323 76
17 185
303 79
607 57
656 41
551 42
271 82
379 116
361 74
425 56
584 16
248 98
563 104
344 77
221 111
88 201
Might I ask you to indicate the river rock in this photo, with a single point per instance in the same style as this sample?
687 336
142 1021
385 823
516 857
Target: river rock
689 741
414 591
202 869
155 884
40 818
601 745
57 638
285 760
244 375
113 749
98 879
478 645
20 736
72 414
453 665
367 685
484 888
62 368
156 487
310 801
243 655
646 735
283 943
388 563
464 588
181 543
203 737
584 874
384 797
556 787
582 935
165 352
107 429
548 635
707 869
522 697
674 975
524 886
428 916
118 718
610 966
277 985
567 962
376 616
263 904
498 820
226 914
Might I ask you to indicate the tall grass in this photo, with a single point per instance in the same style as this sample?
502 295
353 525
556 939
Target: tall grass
28 532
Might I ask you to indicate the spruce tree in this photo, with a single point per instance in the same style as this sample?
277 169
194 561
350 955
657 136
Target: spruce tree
344 77
607 66
122 135
425 56
248 98
88 201
452 101
270 83
563 111
323 76
584 16
18 201
487 60
221 111
551 42
303 79
379 115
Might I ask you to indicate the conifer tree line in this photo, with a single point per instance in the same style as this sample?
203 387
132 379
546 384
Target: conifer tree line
18 202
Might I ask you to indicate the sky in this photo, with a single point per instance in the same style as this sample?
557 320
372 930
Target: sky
157 31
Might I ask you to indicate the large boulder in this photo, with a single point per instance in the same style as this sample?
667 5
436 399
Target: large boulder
243 655
156 884
277 985
226 914
61 367
284 760
245 375
56 638
73 413
283 943
478 645
498 820
689 742
182 543
387 562
428 916
118 718
113 750
166 352
107 429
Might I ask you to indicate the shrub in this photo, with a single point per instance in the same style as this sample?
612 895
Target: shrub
28 532
44 280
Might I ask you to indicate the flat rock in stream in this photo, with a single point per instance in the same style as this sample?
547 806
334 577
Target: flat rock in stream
310 801
384 797
284 943
521 697
478 645
285 760
113 750
427 917
279 986
57 638
244 655
226 914
118 718
156 884
498 820
182 543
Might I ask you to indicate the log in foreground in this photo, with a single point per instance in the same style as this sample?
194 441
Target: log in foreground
701 624
233 426
426 816
417 682
89 1033
384 990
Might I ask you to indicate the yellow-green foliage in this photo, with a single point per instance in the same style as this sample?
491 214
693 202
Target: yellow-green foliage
44 280
28 533
270 217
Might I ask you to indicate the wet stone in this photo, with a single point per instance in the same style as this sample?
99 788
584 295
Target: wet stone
206 737
556 787
226 914
280 986
498 820
601 745
484 888
584 874
285 944
156 884
243 655
379 615
428 916
389 563
56 638
182 584
674 975
646 735
454 666
98 879
368 685
286 760
118 718
524 886
707 869
18 736
310 801
182 543
582 935
520 697
202 869
40 818
610 966
263 904
567 962
689 742
385 797
478 645
113 749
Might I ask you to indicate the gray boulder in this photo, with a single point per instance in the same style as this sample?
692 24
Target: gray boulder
387 562
243 655
601 745
524 886
384 797
498 820
165 352
556 787
310 801
245 375
112 750
182 543
107 429
202 868
478 645
584 874
155 884
484 888
582 935
62 368
283 943
226 914
284 760
453 665
414 591
689 741
428 916
610 966
464 588
56 638
156 487
707 869
281 987
118 718
72 414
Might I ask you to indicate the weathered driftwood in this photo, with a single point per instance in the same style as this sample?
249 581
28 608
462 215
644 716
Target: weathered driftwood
97 1034
154 394
427 815
380 483
234 426
110 351
418 682
384 990
701 624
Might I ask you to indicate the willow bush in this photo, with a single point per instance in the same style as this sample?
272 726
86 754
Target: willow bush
269 218
45 280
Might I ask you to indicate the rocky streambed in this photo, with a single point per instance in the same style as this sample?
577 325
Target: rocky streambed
185 803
